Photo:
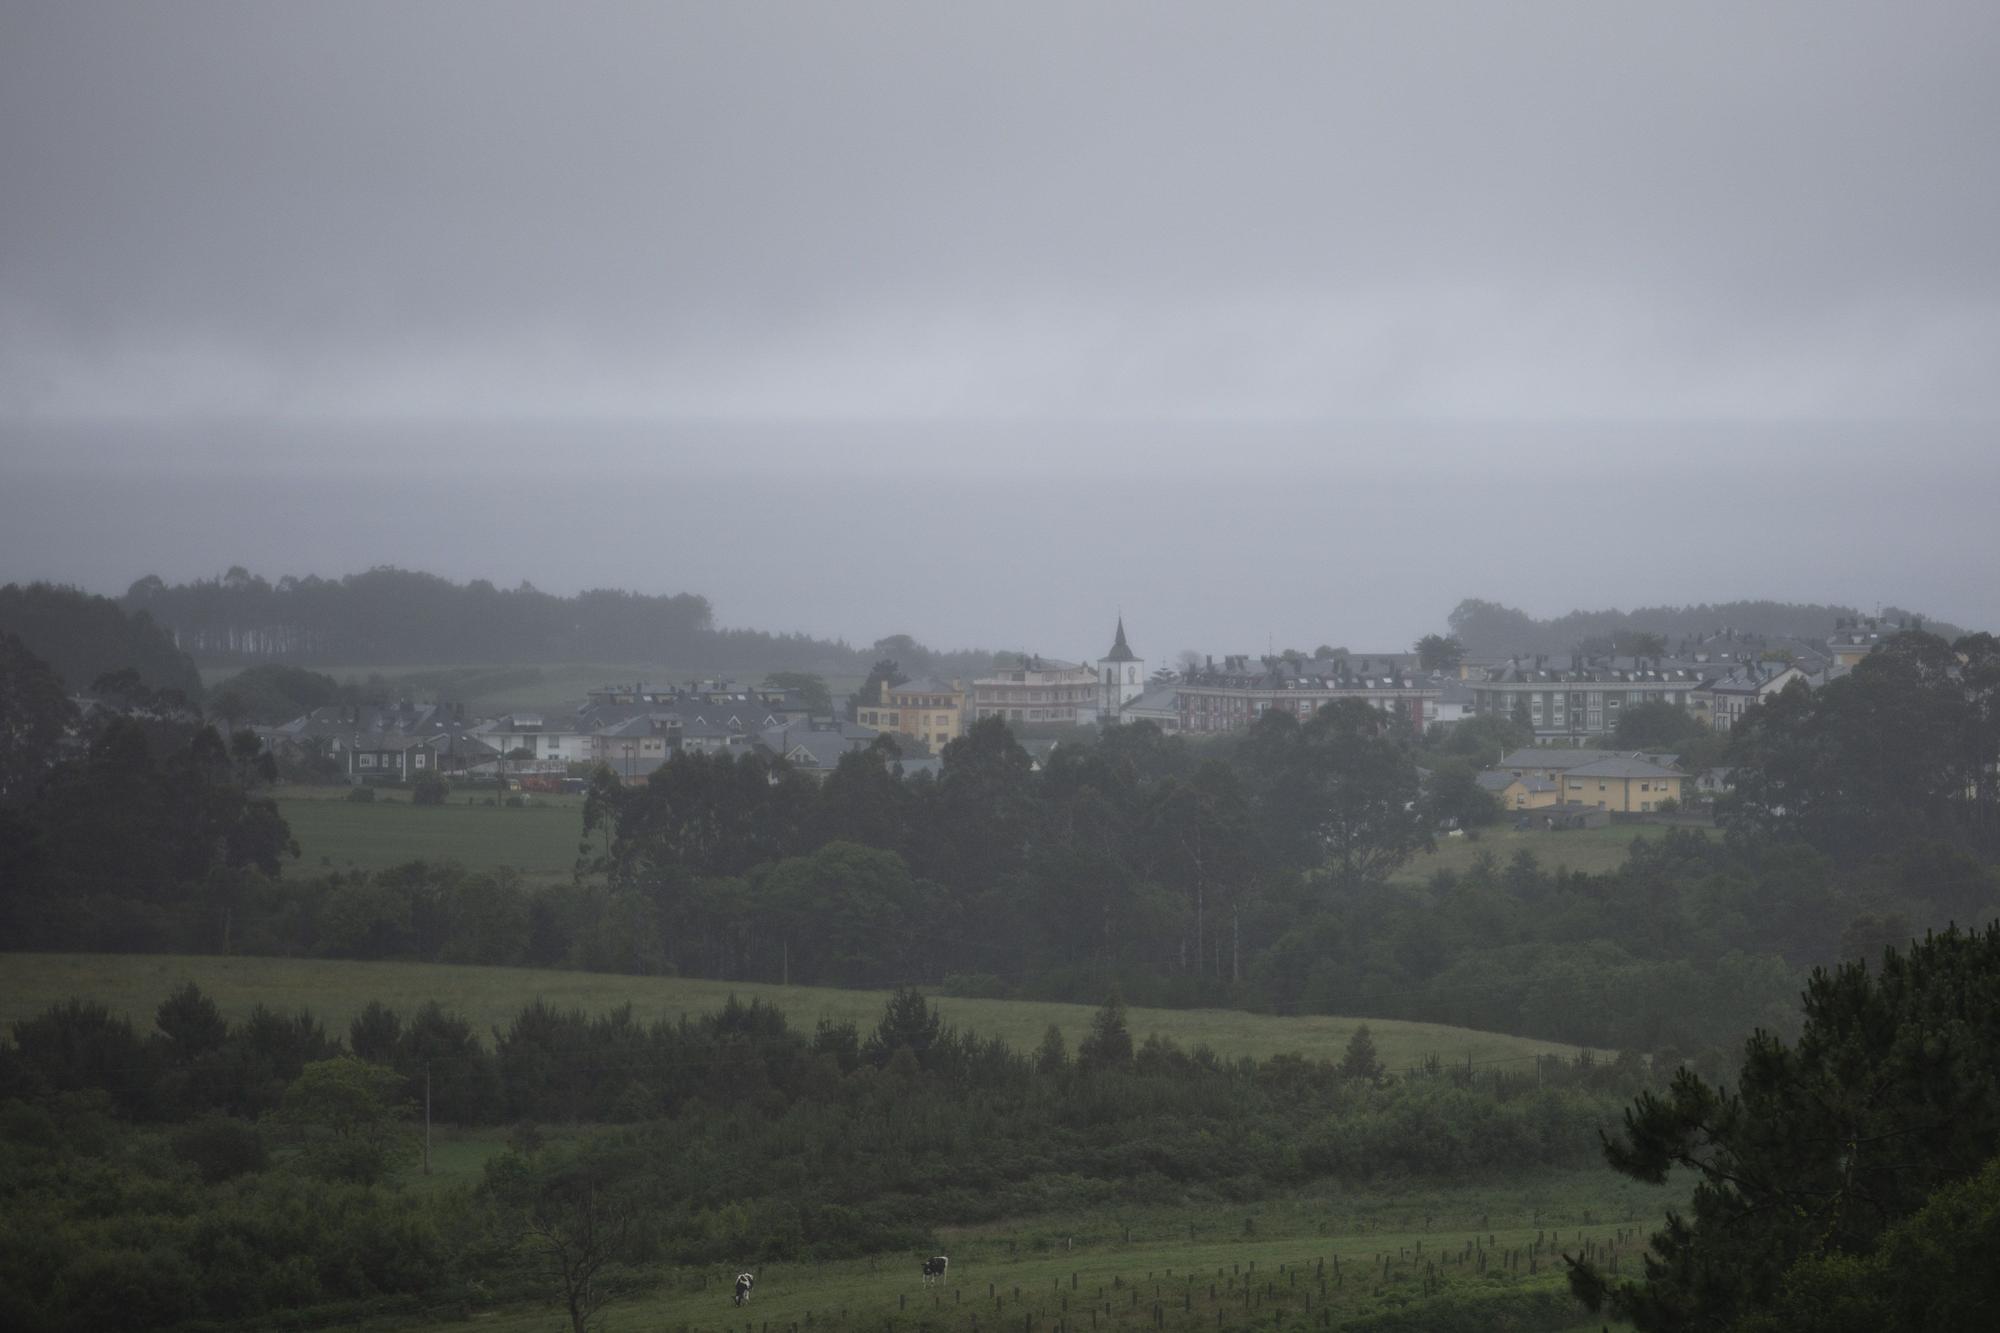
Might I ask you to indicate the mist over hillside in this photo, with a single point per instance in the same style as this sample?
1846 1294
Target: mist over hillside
1487 629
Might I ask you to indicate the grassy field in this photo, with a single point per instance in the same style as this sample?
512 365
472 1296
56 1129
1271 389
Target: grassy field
539 839
1337 1256
1591 851
336 990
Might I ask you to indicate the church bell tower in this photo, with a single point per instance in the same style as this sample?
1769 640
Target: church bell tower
1121 677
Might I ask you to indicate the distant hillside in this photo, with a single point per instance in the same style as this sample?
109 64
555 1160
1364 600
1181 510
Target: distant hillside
1490 629
82 637
390 616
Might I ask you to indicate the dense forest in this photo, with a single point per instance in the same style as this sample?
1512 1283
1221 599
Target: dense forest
84 638
1489 629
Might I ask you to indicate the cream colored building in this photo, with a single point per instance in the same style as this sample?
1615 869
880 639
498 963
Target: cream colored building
931 711
1038 690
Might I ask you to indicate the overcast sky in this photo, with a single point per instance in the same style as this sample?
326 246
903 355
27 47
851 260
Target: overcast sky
1265 322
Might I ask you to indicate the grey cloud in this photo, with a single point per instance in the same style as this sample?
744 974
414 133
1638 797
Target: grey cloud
869 210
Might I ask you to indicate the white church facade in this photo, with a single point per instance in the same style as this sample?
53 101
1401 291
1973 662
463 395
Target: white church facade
1121 677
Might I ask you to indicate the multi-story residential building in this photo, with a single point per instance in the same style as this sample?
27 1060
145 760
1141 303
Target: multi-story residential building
1572 698
1234 697
558 740
1722 702
634 747
1038 690
1849 646
929 710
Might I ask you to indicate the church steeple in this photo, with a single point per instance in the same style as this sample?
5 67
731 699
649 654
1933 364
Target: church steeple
1121 651
1121 677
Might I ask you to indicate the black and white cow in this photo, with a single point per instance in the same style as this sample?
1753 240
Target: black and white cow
744 1281
934 1268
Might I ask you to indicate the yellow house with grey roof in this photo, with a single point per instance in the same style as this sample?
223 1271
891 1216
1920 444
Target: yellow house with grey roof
1622 785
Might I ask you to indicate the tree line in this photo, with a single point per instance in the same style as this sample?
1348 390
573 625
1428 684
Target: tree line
82 639
206 1170
389 615
1488 628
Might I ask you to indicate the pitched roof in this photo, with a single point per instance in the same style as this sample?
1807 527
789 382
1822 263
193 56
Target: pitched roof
1554 758
1502 781
928 685
1159 699
1120 650
1621 767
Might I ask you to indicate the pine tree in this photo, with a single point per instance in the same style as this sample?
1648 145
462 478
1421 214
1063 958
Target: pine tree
1109 1045
1360 1060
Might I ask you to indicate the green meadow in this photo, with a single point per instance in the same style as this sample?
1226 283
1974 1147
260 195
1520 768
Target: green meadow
538 838
1591 851
1469 1255
489 997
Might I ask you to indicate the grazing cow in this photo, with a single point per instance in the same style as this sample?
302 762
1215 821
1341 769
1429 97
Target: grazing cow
744 1281
934 1268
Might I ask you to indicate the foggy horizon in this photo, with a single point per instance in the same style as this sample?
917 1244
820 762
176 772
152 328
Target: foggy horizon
1370 554
1267 326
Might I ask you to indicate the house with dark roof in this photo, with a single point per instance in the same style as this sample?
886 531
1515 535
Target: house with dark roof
815 748
1519 793
1622 785
1722 702
1159 705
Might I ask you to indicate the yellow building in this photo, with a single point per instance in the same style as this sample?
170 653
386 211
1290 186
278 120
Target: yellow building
932 711
1521 793
1625 786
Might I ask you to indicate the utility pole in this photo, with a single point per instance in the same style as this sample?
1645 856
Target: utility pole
1235 946
427 1117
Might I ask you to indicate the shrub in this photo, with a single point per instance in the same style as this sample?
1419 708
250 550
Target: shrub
221 1148
361 795
430 789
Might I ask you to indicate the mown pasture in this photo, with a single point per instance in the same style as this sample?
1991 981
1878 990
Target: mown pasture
335 990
